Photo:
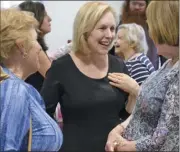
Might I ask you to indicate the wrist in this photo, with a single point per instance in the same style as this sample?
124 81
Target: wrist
126 146
135 90
120 128
120 125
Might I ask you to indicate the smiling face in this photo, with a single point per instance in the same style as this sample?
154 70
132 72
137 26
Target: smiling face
29 51
121 44
102 36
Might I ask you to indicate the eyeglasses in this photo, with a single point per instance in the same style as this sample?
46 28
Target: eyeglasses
136 3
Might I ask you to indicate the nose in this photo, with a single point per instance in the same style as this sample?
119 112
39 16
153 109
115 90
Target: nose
109 33
115 43
137 7
50 19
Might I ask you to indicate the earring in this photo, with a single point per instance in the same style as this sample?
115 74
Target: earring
24 55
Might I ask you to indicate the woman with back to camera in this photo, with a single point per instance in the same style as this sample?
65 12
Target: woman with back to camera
37 79
154 123
90 105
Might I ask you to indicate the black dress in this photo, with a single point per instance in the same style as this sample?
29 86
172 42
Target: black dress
36 80
90 107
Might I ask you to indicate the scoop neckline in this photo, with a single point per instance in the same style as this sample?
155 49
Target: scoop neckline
84 75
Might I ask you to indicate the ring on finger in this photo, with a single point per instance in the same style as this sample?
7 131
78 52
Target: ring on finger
115 143
118 143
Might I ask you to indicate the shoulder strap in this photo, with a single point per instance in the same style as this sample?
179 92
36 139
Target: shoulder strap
30 136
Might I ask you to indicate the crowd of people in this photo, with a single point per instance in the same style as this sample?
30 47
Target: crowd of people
114 87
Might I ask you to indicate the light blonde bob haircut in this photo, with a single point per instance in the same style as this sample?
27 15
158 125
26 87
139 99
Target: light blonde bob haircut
15 25
163 22
85 21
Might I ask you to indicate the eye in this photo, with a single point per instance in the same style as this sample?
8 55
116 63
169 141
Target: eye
113 29
141 5
103 28
45 13
120 37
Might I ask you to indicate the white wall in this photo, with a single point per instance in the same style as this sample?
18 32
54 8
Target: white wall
63 14
8 4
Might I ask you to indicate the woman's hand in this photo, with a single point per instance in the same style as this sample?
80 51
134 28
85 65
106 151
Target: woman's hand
127 146
124 82
114 138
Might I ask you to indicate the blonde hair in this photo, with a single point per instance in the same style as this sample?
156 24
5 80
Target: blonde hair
135 36
85 21
15 24
3 75
163 21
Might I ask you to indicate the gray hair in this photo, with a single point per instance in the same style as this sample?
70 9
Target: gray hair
135 36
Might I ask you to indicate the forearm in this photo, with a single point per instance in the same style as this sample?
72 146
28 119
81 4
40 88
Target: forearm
45 63
132 98
119 128
135 90
131 103
126 122
127 146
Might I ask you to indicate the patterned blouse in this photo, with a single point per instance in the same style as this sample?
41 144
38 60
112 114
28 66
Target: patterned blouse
155 120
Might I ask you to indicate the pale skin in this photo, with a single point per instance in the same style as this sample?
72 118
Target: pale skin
127 84
23 63
170 52
137 5
116 135
44 62
123 48
95 63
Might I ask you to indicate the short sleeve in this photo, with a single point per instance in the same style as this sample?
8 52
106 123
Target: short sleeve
15 115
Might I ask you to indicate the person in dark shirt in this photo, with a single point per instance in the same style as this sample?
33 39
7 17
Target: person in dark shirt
90 106
37 79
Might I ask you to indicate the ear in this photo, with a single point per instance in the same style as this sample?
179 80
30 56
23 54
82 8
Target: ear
86 36
20 45
132 45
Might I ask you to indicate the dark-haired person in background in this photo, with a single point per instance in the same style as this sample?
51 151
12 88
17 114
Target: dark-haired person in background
36 80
